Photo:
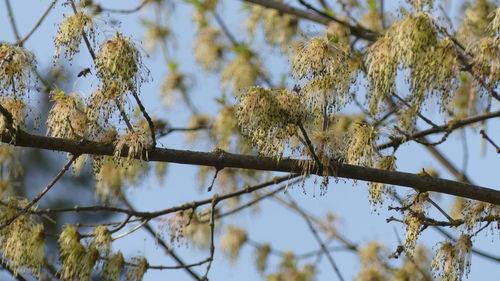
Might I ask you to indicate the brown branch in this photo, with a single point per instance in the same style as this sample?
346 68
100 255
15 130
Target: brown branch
124 11
318 18
230 160
317 237
42 193
162 243
14 274
440 129
20 42
12 20
212 232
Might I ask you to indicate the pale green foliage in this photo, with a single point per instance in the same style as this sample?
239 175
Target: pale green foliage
419 5
261 257
17 108
101 240
155 34
209 48
431 65
77 262
232 241
188 226
413 221
173 82
452 260
473 211
476 21
361 145
377 190
269 118
22 241
417 268
16 70
242 72
465 98
225 126
337 33
487 60
70 34
372 263
10 162
288 270
279 28
135 273
119 60
111 176
324 68
201 120
138 142
67 118
108 179
202 12
113 266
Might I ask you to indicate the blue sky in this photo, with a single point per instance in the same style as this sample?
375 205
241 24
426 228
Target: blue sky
272 223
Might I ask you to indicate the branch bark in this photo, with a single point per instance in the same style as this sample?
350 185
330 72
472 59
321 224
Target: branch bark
230 160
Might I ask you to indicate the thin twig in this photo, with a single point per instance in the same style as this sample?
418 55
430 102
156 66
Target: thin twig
444 128
124 11
318 239
37 24
212 244
12 20
148 118
440 209
162 243
84 35
42 193
486 137
130 231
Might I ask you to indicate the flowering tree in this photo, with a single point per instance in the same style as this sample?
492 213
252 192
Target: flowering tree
354 91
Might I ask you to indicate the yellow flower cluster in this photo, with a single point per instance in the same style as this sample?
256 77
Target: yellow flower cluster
452 260
70 34
67 117
232 241
324 66
77 262
22 241
16 70
269 118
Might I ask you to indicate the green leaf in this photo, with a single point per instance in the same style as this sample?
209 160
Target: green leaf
222 100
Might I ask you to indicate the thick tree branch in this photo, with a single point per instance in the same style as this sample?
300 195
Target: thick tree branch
230 160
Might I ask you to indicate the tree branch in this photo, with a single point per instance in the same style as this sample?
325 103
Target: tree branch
230 160
42 193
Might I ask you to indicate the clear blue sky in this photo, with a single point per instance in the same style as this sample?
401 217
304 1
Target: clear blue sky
272 223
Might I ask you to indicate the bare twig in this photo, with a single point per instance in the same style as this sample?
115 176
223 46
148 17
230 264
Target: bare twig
124 11
37 24
130 231
212 244
315 17
318 239
12 20
147 117
486 137
162 243
42 193
444 128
